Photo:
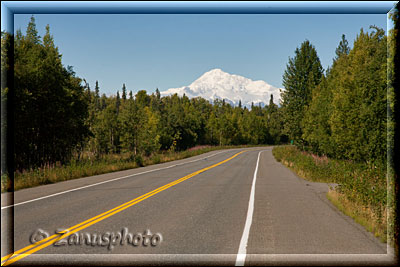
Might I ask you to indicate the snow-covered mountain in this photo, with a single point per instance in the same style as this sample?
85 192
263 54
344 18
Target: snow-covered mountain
219 84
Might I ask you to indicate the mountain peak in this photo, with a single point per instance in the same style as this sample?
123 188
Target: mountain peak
215 71
216 83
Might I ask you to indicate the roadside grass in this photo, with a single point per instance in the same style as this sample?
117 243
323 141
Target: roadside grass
362 190
88 166
361 214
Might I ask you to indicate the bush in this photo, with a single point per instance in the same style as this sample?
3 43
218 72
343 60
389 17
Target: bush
139 160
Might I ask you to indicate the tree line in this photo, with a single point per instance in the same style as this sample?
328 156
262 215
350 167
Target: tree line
143 123
341 113
58 116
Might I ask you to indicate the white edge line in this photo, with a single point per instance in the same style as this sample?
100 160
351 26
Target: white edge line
241 256
115 179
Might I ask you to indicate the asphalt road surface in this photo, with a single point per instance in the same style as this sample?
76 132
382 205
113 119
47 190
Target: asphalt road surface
229 207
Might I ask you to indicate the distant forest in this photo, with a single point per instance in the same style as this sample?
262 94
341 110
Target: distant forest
340 112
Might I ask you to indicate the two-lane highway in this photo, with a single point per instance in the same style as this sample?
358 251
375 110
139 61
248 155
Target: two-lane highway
196 209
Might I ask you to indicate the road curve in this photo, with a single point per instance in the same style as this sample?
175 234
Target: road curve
199 207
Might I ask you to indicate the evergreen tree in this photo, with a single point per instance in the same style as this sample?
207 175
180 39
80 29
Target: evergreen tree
117 102
343 48
97 95
158 95
103 102
51 106
123 92
48 38
302 74
32 33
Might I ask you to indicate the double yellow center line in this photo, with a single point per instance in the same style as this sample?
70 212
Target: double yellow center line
22 253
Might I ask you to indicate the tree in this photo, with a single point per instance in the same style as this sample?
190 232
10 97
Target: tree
7 45
103 102
123 92
317 130
142 99
50 103
31 32
359 119
139 129
48 40
158 95
118 102
302 74
393 124
97 95
273 122
343 48
129 127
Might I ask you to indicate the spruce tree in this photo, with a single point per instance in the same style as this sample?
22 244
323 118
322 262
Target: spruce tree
302 74
158 95
343 48
32 33
51 106
118 102
47 38
271 100
123 92
97 95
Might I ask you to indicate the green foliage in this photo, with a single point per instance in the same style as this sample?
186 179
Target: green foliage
317 130
343 48
342 115
302 74
6 74
148 123
346 119
139 160
393 125
123 92
358 119
50 106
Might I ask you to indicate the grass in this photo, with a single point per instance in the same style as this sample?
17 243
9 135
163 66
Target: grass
88 166
362 190
364 216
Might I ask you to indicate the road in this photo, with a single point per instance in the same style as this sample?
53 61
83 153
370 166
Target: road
199 219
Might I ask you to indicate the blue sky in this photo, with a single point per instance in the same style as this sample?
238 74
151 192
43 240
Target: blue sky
166 51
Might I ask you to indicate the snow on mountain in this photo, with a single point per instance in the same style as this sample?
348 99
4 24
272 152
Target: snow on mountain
219 84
